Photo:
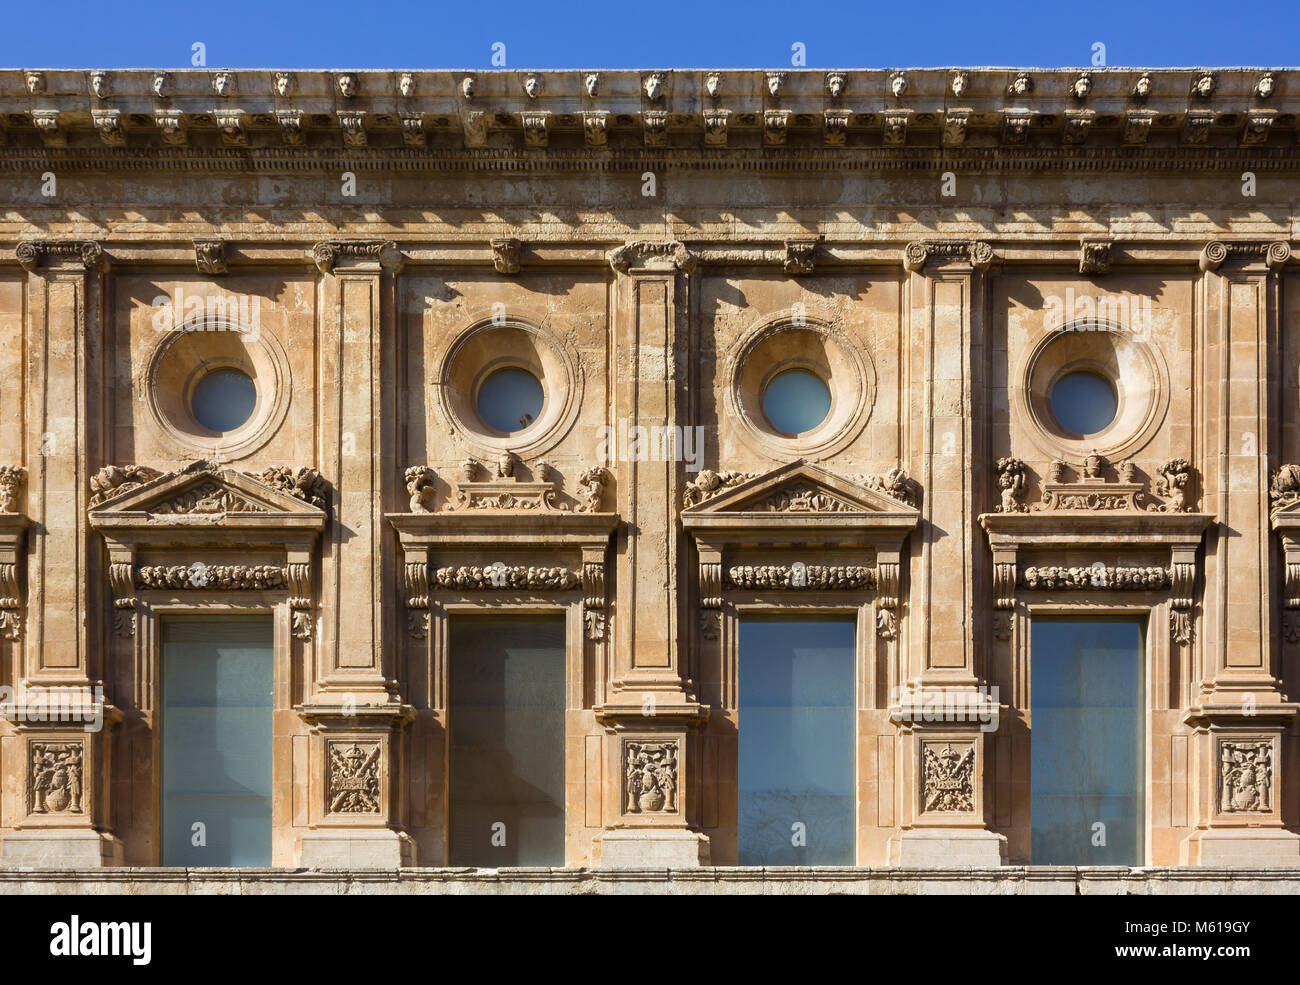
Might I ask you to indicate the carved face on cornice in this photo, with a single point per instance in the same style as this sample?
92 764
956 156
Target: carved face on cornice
592 84
835 83
223 83
406 85
532 86
713 84
775 80
1264 87
898 83
99 84
347 85
1204 85
467 87
1142 88
160 84
1022 85
283 83
35 82
959 82
1082 86
654 86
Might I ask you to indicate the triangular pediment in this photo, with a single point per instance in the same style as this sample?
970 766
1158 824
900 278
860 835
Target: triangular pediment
204 491
798 489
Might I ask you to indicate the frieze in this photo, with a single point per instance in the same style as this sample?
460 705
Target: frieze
500 575
1105 576
211 577
529 112
801 576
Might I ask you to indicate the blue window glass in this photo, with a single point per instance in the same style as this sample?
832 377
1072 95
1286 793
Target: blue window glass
216 740
796 742
224 400
507 740
1084 403
1086 741
796 401
510 399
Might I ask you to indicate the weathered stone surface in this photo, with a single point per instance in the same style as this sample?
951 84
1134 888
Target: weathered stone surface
695 238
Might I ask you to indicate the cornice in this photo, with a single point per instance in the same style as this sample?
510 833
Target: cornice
560 118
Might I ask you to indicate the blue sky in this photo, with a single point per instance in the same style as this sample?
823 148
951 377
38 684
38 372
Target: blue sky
646 34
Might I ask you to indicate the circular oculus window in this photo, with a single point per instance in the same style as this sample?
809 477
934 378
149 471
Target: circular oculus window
510 400
798 388
1084 402
796 401
224 400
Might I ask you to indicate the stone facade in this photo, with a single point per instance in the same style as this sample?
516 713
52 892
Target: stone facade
653 247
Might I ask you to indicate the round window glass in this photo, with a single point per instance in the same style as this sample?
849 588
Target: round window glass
1084 403
224 400
510 400
796 401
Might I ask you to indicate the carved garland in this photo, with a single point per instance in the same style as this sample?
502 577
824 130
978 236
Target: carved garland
501 575
801 576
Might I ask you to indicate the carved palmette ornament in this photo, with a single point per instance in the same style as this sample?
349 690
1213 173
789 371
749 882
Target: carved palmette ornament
353 782
650 776
1246 777
55 778
948 778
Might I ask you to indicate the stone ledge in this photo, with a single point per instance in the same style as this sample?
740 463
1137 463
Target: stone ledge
702 881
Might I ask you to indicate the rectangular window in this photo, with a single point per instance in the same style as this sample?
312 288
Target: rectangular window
1086 741
796 741
217 679
506 714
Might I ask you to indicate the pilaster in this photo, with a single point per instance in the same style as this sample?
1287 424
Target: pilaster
941 665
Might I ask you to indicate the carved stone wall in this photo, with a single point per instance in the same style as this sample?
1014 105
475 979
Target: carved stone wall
649 501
